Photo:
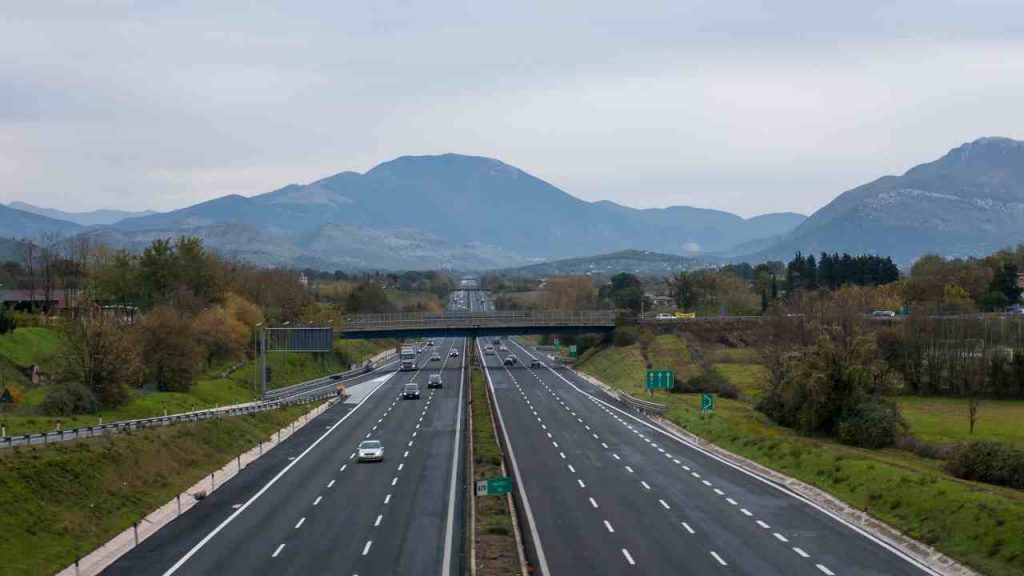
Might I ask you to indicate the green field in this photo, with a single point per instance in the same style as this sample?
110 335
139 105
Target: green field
978 524
944 420
61 502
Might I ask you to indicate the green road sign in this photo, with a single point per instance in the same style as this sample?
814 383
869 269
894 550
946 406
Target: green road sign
707 402
494 486
572 351
660 379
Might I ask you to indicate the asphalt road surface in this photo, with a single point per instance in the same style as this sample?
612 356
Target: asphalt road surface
308 507
609 493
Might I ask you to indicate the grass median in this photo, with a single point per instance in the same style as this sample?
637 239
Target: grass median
494 540
60 502
979 525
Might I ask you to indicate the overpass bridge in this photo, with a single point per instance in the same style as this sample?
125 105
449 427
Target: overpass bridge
461 323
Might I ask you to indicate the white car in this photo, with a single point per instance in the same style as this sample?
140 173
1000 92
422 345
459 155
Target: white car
664 316
453 354
371 451
435 357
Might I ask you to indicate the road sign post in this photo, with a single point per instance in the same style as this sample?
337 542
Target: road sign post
660 379
494 486
707 403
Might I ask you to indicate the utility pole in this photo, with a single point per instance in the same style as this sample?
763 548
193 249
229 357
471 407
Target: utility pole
263 361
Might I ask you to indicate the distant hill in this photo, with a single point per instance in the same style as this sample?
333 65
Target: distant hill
16 223
640 262
970 202
93 218
467 211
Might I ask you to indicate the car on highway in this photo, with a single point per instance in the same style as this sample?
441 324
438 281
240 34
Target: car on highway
489 350
435 357
511 360
883 314
496 341
453 354
663 316
411 391
430 342
503 348
536 363
434 381
371 451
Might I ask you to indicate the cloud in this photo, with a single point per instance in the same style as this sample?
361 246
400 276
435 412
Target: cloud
739 105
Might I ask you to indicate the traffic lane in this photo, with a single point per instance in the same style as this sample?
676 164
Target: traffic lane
166 546
643 534
255 527
413 532
644 501
571 543
360 525
790 523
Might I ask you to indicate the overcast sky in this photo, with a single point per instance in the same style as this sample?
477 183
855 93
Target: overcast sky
746 106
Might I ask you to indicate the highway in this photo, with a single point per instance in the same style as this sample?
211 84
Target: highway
608 492
308 507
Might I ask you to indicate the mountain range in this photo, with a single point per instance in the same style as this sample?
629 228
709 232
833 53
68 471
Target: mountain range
92 218
470 212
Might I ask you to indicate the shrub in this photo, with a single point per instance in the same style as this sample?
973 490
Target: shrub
69 398
710 381
872 423
625 336
991 462
923 449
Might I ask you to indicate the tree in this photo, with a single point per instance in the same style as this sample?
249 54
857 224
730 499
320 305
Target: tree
568 293
1004 281
221 335
624 291
171 352
102 356
367 298
7 322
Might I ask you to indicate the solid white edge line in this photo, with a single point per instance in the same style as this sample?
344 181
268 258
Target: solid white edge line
875 539
181 562
449 530
527 510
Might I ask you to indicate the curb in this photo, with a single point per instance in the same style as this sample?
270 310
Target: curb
919 551
99 559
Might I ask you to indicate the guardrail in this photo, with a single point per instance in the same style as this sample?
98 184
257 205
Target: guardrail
642 405
128 425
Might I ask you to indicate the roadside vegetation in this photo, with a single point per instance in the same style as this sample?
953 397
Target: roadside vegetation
61 502
171 328
495 543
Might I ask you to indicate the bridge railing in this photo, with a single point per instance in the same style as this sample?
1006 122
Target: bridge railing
494 318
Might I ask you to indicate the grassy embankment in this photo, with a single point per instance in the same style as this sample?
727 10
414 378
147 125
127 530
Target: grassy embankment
61 502
28 346
978 524
495 543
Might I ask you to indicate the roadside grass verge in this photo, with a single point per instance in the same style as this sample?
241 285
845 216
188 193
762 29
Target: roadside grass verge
495 543
622 367
977 524
27 346
944 420
746 377
61 502
670 352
